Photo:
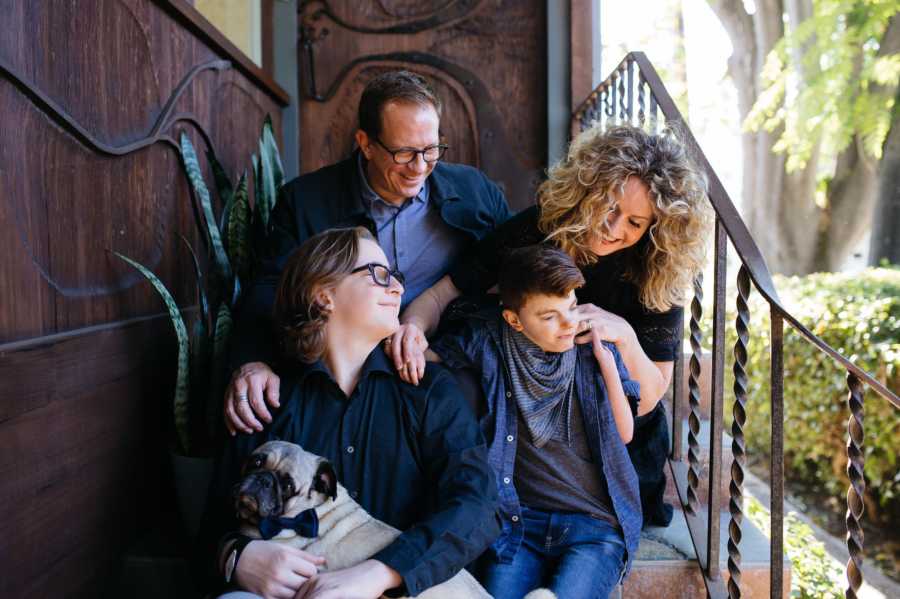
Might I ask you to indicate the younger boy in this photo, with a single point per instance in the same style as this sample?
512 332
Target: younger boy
558 418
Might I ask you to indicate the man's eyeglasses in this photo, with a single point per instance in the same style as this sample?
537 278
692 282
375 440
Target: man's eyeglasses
381 274
407 155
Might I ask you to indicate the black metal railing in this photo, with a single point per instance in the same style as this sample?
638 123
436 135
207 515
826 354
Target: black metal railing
635 81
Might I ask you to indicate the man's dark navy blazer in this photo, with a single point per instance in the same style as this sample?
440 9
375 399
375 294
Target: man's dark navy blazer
330 197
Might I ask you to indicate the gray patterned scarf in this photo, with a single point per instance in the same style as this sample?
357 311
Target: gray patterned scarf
542 385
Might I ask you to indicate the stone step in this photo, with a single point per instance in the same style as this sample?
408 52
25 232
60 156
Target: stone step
665 566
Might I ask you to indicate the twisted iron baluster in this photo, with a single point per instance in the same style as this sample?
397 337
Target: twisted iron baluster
641 84
611 97
736 488
593 111
622 112
694 396
630 109
857 488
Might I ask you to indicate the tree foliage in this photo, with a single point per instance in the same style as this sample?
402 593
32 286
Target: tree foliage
826 81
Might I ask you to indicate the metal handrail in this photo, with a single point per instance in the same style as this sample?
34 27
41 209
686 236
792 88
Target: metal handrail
614 100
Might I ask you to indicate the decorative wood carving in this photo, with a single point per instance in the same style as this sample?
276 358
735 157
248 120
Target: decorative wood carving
93 96
487 61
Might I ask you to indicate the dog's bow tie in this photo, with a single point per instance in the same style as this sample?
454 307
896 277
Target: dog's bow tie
305 524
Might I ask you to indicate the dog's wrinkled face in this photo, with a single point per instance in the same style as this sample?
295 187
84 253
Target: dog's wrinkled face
281 479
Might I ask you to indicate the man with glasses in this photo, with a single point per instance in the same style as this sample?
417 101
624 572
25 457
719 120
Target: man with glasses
422 211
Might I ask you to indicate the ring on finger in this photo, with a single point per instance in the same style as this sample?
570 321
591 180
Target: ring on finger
242 398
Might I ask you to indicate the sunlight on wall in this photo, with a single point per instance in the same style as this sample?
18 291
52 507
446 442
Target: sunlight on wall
239 20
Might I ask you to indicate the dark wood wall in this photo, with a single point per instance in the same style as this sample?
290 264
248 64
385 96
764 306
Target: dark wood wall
87 164
486 59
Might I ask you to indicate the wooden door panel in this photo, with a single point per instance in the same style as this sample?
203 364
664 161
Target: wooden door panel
486 60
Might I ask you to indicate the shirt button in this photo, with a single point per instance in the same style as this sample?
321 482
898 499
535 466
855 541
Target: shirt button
515 518
508 394
354 494
350 449
509 438
506 480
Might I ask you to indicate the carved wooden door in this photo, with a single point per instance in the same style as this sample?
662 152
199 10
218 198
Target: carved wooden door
486 60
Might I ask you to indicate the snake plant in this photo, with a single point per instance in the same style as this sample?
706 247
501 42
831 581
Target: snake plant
230 240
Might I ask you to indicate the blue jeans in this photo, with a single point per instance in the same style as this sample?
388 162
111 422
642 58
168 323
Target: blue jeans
574 555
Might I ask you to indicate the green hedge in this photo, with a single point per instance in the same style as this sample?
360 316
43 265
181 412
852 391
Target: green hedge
814 574
859 315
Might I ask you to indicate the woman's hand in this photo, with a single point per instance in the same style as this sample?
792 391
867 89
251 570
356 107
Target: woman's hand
606 325
244 404
275 570
367 580
406 347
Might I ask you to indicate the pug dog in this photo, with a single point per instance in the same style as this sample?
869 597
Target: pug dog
287 492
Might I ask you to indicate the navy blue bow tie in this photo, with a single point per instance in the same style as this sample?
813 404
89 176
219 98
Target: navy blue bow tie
305 524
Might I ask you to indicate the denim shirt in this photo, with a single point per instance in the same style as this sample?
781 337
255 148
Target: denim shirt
478 346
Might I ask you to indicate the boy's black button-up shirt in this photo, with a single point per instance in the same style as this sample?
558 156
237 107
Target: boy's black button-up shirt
412 456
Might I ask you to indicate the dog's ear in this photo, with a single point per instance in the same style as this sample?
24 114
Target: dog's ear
325 480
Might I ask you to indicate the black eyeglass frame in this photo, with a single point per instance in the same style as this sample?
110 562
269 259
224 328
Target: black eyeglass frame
371 266
442 149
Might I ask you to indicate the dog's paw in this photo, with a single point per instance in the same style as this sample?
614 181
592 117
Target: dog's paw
540 594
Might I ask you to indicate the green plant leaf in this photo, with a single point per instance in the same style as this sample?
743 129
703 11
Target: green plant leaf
270 148
201 350
224 188
259 225
238 231
266 199
219 371
201 289
195 176
180 405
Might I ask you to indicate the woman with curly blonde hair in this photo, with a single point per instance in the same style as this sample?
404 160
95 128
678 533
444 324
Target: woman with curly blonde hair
630 208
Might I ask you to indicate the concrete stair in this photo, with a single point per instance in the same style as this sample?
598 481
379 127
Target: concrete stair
666 568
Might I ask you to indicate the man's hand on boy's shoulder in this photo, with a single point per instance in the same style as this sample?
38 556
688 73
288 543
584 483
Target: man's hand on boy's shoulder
251 387
406 348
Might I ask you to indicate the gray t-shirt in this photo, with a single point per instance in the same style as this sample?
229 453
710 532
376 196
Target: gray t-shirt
559 477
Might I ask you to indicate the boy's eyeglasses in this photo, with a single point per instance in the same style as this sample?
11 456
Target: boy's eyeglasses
381 274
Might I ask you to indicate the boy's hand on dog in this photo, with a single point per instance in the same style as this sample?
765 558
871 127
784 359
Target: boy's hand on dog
274 570
366 580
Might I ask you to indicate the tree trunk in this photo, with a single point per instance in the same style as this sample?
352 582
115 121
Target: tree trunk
885 242
794 233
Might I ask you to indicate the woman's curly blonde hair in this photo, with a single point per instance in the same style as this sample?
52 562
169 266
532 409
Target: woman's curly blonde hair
578 196
322 261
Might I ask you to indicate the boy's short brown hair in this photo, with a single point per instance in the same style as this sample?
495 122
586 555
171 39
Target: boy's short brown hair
536 270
